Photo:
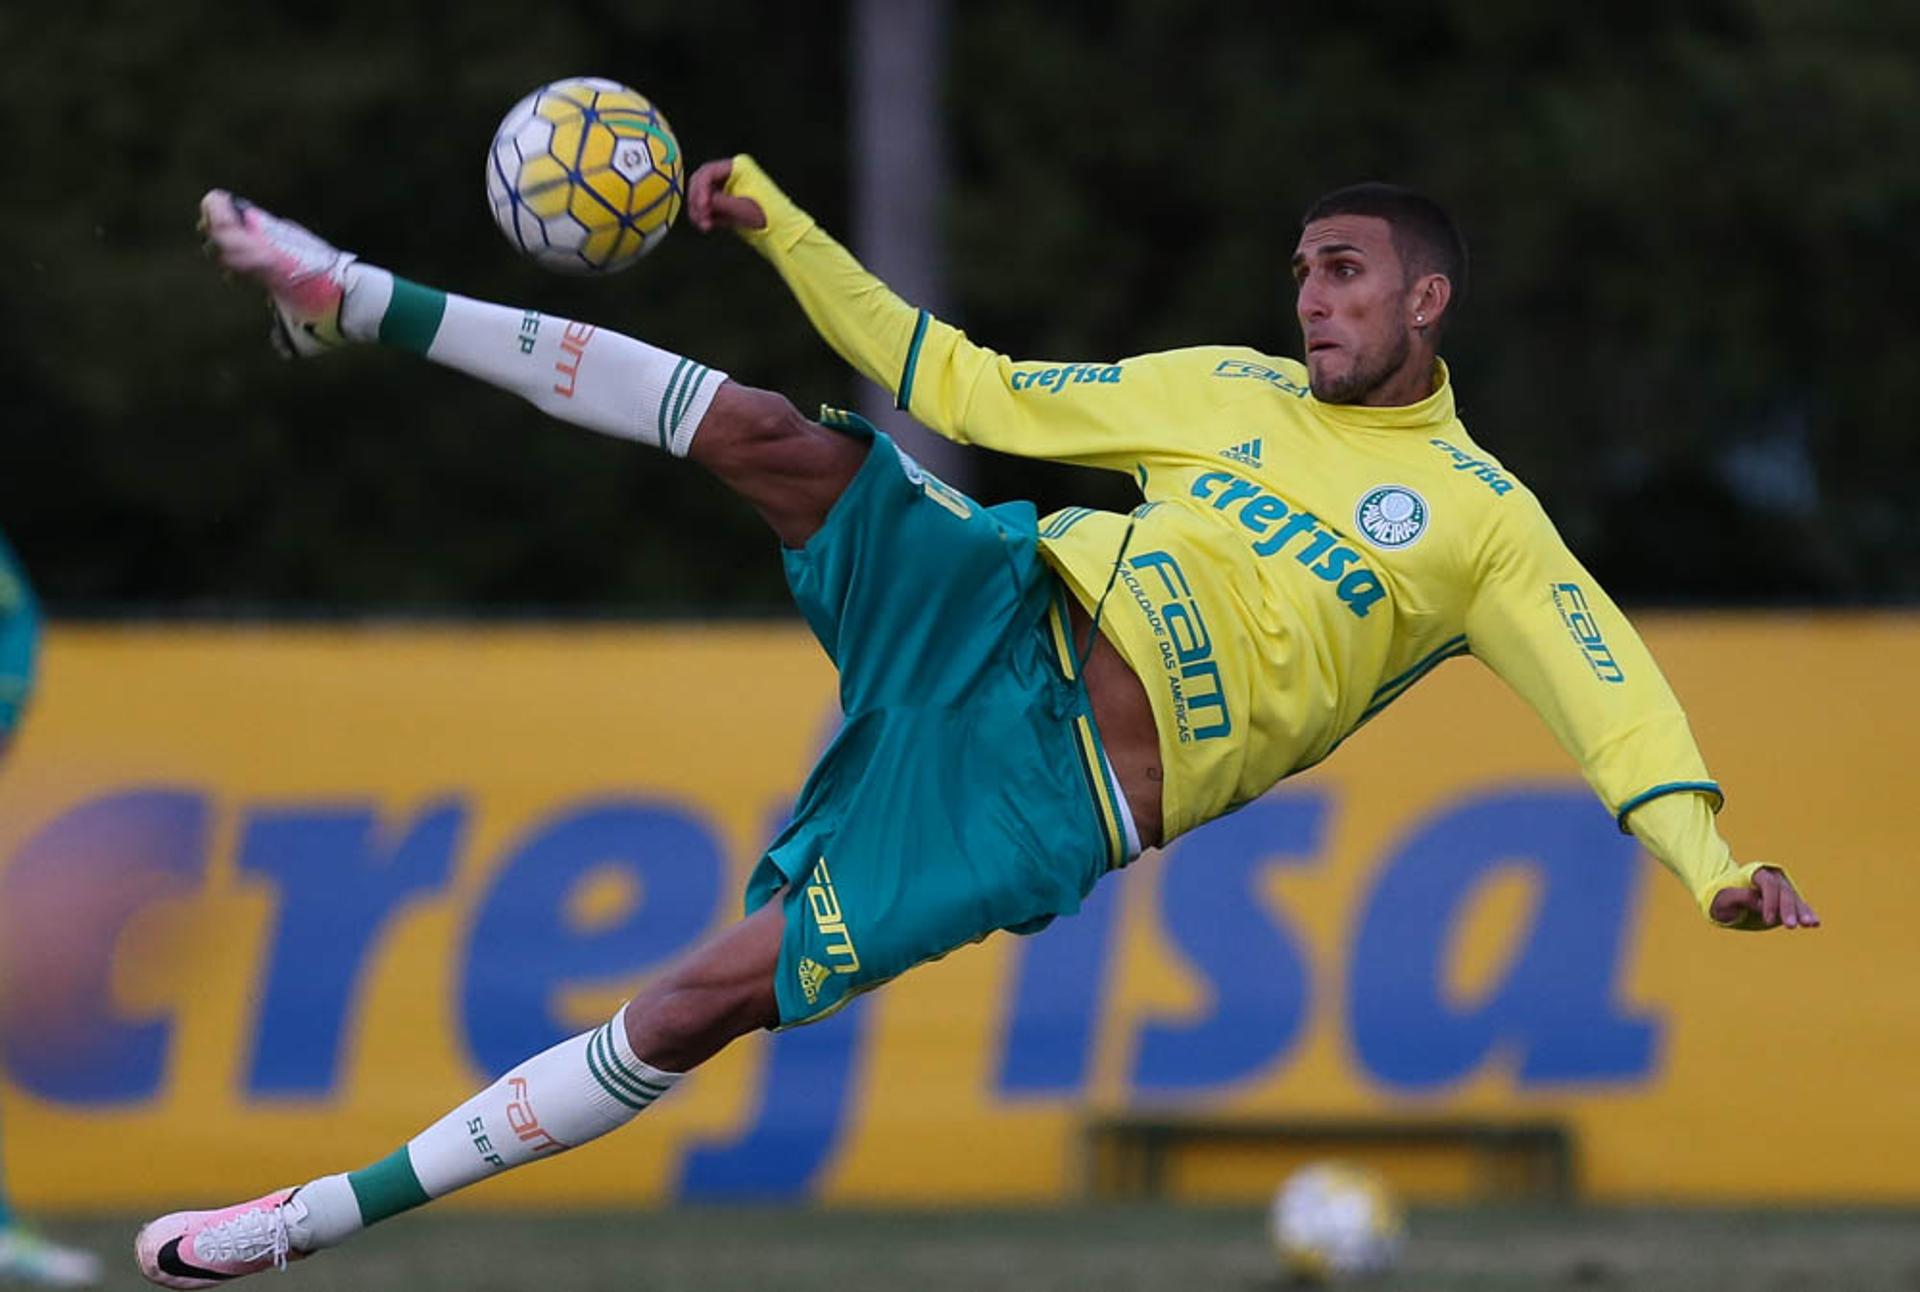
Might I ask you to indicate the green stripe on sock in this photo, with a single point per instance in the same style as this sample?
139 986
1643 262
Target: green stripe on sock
616 1066
387 1188
633 1078
622 1074
687 392
600 1074
666 398
413 316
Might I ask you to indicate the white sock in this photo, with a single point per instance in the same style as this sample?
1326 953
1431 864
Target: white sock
332 1213
574 371
559 1099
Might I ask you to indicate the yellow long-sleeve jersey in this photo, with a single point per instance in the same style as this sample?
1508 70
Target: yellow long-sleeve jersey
1296 565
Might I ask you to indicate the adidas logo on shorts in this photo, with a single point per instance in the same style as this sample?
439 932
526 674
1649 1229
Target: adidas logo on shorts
812 974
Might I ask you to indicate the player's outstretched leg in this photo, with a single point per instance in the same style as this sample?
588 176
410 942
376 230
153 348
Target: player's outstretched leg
559 1099
789 468
26 1257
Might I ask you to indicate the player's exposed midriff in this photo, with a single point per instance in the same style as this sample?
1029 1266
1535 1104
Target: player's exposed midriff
1125 718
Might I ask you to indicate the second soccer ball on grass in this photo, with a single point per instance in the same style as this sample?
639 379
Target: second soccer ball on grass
585 176
1331 1222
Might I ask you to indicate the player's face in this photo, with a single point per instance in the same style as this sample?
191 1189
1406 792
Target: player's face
1356 313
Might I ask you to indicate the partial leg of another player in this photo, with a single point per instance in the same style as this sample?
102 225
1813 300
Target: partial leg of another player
27 1257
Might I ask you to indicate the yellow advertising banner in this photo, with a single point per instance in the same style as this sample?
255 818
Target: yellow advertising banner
275 898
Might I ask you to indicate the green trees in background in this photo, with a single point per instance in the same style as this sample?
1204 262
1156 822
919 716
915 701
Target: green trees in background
1691 305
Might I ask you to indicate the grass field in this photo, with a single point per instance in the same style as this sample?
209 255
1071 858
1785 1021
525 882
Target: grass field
1115 1249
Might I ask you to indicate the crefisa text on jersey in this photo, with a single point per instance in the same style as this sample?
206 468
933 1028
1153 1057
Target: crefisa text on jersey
1278 524
1483 471
1056 379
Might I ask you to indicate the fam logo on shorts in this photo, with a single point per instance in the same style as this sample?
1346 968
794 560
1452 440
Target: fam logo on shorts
1391 516
836 943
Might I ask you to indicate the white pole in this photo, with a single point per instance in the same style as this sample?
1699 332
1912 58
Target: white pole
900 178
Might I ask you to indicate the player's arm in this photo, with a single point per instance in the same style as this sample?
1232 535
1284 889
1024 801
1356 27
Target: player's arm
1060 411
1539 620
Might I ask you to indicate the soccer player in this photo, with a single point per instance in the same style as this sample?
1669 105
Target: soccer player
1028 704
26 1256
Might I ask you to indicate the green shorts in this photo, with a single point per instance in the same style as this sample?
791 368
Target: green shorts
966 790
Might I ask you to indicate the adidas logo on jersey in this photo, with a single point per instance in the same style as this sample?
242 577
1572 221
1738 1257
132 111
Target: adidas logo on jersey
1247 454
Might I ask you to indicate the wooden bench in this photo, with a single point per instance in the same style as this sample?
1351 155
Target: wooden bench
1133 1156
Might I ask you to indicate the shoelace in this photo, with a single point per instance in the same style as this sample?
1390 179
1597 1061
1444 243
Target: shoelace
248 1237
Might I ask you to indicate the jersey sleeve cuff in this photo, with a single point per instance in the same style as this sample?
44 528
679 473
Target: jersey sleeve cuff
1715 796
1739 877
786 222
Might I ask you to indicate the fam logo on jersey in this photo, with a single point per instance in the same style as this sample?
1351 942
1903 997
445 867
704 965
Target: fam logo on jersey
1240 369
1160 588
1571 601
1391 516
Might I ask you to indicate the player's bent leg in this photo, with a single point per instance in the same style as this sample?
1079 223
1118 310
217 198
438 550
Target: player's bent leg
788 467
716 993
570 1094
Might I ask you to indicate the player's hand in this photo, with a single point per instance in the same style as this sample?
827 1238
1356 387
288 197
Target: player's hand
1765 904
710 207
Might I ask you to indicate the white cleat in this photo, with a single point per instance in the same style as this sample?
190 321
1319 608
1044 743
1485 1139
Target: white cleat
305 275
199 1249
25 1257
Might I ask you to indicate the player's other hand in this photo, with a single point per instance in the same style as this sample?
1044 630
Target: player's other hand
1767 903
710 207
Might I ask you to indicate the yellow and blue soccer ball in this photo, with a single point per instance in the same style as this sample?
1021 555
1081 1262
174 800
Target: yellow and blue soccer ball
1330 1222
585 176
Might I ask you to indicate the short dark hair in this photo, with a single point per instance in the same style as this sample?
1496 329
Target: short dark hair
1424 235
